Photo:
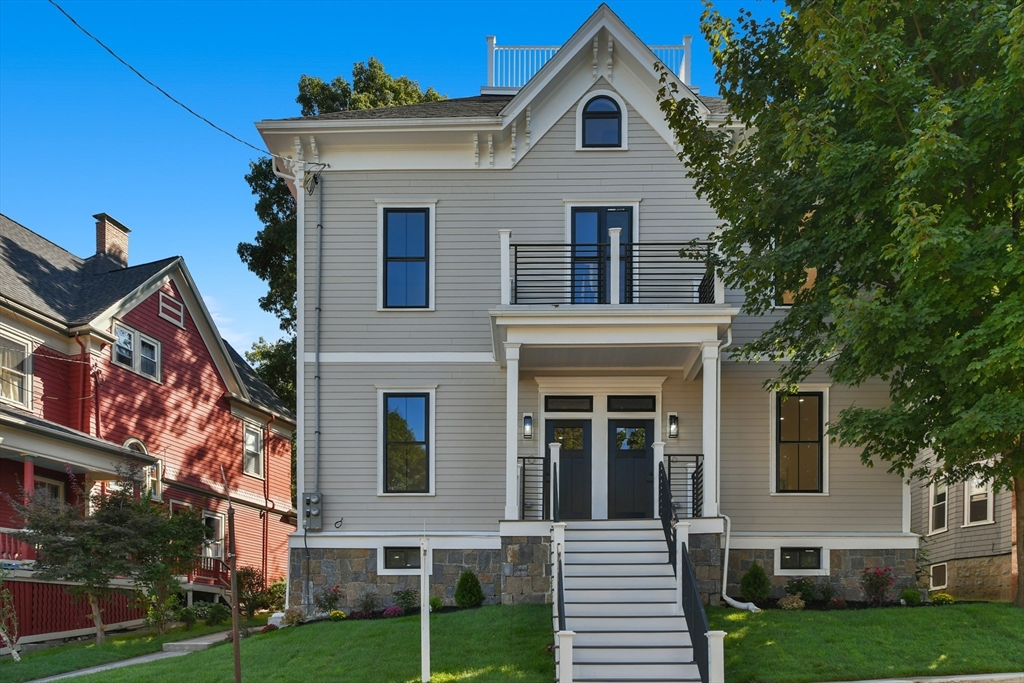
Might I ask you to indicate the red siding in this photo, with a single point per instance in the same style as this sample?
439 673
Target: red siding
55 389
47 608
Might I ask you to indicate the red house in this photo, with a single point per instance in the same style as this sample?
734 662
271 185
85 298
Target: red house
101 362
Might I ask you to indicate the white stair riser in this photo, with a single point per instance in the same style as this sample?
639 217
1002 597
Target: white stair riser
635 672
625 623
643 609
618 570
623 639
579 535
654 557
632 546
611 524
615 655
666 582
627 596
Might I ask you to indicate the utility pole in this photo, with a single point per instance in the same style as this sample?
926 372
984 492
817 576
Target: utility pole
235 636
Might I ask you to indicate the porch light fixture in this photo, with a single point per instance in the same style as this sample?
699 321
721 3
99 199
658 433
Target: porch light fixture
673 425
527 425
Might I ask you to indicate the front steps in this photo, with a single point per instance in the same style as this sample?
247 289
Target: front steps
620 600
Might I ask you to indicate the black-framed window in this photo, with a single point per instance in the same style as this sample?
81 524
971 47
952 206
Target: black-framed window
602 123
569 404
798 442
632 404
406 443
401 558
800 558
406 258
591 253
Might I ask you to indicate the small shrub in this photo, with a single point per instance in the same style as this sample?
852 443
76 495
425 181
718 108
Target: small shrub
202 609
394 611
836 603
328 600
293 616
187 616
369 603
803 587
875 583
943 599
436 604
252 593
754 585
275 595
408 600
337 615
791 602
468 592
828 591
219 613
911 596
268 628
243 632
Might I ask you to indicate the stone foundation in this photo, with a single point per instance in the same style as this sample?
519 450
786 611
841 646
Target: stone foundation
980 578
706 556
846 569
355 571
525 570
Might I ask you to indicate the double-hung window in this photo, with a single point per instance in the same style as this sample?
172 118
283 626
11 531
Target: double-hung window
252 450
406 442
799 442
214 544
15 378
406 258
937 507
978 501
136 351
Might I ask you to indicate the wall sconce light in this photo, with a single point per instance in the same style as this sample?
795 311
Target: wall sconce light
527 425
673 425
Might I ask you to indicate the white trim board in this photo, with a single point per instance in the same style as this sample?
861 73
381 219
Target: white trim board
839 541
414 357
437 540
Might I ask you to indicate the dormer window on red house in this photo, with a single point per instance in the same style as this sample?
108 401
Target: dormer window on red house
136 352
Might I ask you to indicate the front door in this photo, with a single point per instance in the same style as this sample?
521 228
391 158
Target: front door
630 469
574 467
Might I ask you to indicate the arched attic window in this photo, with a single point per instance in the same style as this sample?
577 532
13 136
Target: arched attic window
602 123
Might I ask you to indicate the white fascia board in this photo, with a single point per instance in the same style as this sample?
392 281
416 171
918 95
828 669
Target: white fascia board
438 540
470 123
741 540
603 314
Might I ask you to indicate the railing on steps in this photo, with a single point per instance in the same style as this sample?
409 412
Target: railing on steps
534 485
696 618
210 570
666 512
686 481
12 549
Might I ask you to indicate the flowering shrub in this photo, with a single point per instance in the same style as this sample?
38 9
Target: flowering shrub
875 583
804 587
327 601
268 628
791 602
943 599
836 603
393 611
338 615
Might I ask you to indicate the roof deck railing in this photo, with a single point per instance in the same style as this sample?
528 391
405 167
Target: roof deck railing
512 66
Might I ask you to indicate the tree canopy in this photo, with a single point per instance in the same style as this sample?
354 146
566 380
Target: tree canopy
881 149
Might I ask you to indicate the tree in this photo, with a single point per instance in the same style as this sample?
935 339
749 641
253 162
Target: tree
8 618
884 154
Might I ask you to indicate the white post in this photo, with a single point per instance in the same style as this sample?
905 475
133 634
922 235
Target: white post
711 400
659 459
491 42
425 565
557 546
511 431
565 656
682 538
506 272
614 236
556 449
687 40
719 289
716 656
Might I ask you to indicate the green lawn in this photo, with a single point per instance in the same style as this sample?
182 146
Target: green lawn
801 647
56 660
501 643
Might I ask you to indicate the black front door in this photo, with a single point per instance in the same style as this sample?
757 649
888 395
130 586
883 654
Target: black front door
591 257
630 469
574 468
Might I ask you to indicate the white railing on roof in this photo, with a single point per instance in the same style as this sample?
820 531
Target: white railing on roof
512 66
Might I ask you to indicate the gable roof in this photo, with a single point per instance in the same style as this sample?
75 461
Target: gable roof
259 393
462 107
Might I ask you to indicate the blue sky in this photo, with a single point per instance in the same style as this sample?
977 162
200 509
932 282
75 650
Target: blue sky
80 134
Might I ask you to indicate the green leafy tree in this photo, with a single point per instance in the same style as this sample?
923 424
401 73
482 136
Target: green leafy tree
884 153
8 618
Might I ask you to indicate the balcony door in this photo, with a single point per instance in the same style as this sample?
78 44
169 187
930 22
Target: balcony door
591 255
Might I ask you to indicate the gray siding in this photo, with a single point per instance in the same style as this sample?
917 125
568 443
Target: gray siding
958 541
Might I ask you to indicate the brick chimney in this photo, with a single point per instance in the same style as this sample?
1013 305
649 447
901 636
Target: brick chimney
111 239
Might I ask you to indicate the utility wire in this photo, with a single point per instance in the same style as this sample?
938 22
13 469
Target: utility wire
161 90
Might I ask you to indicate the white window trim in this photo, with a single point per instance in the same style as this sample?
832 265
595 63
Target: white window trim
931 505
179 503
990 500
169 303
431 206
157 492
58 484
932 586
772 431
223 533
28 374
138 338
824 570
400 543
579 121
247 426
431 391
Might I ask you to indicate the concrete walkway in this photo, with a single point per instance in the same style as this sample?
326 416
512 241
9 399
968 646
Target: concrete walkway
175 649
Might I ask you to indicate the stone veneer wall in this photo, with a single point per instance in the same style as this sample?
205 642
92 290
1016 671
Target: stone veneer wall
526 569
355 570
846 568
706 556
980 578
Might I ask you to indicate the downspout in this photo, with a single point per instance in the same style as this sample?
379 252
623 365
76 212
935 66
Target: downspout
83 378
266 496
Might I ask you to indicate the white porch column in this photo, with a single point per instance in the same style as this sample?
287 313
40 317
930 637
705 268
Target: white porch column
506 272
659 458
512 431
711 403
491 42
716 656
614 239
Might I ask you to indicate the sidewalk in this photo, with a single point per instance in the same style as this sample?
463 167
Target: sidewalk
973 678
175 649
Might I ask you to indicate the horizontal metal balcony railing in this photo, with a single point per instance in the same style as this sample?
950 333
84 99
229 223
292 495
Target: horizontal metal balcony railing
633 273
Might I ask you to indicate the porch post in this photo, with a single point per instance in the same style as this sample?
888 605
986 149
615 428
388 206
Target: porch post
29 478
614 239
711 399
512 431
506 272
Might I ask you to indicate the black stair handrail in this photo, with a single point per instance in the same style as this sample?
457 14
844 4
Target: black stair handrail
667 512
556 516
561 589
696 617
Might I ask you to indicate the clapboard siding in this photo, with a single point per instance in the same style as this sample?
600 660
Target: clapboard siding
860 499
958 541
